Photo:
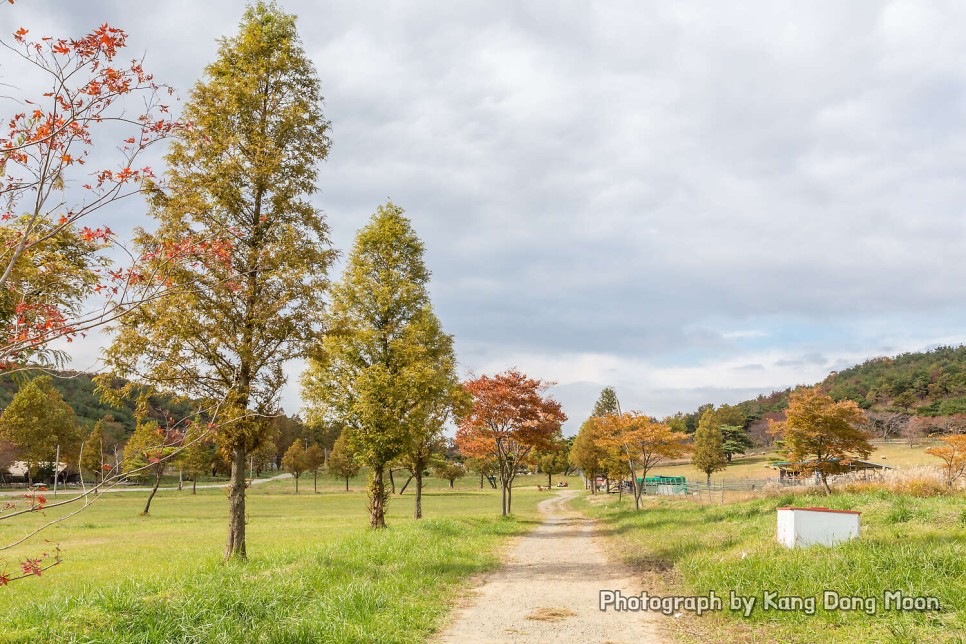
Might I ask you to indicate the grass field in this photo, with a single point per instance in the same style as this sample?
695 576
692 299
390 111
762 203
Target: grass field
915 545
315 572
756 465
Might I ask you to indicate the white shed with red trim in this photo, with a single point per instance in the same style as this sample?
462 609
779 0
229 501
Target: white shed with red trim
799 527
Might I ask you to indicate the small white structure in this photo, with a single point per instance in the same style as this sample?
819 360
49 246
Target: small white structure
798 527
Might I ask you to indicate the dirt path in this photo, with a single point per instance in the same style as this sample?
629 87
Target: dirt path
76 491
547 589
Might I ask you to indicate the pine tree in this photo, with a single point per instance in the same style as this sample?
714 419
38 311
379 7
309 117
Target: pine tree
240 177
709 453
607 403
386 368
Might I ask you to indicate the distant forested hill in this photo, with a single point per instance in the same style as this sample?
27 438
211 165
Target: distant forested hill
928 385
77 388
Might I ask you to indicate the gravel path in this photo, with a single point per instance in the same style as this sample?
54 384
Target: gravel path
76 491
547 589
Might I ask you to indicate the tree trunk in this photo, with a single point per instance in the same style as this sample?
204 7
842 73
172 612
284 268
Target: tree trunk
406 484
392 482
296 485
503 506
824 476
709 479
481 480
377 498
194 485
419 494
452 481
509 497
157 482
549 479
235 548
315 481
347 484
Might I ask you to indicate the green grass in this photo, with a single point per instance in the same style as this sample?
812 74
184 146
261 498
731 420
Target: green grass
315 572
916 545
757 464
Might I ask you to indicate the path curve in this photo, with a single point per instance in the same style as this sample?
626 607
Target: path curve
547 589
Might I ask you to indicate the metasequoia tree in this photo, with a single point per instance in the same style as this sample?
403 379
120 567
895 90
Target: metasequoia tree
509 418
385 370
37 422
953 456
607 403
294 462
820 435
341 464
709 453
642 441
243 172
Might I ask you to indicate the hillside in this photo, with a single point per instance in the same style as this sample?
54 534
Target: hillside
930 383
78 389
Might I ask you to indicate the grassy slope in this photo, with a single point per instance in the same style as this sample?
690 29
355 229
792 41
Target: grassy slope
757 466
910 544
315 572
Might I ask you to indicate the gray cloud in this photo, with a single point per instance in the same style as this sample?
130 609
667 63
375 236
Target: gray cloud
639 181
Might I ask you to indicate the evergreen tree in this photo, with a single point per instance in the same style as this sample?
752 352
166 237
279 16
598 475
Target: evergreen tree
240 179
386 369
735 440
607 403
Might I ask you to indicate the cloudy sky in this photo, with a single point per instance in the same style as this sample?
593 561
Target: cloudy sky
693 202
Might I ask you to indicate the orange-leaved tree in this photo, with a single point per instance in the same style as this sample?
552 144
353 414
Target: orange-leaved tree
509 418
52 258
642 441
953 456
820 435
58 271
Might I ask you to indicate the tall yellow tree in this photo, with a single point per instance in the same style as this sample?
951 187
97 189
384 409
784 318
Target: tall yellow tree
240 177
709 454
820 435
386 369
